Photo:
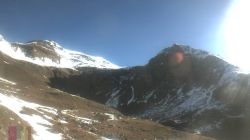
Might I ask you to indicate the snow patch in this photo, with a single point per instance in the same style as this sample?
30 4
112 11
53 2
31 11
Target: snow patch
147 97
112 117
133 95
7 81
208 127
7 91
81 119
68 59
62 121
197 100
6 62
113 101
103 138
38 123
48 110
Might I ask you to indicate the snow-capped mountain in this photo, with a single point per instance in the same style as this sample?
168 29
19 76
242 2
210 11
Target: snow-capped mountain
31 108
181 87
50 53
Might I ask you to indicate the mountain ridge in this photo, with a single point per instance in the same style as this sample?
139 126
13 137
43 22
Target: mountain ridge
181 87
50 53
196 92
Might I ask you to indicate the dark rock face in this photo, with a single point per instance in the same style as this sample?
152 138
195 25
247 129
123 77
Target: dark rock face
26 100
181 87
200 94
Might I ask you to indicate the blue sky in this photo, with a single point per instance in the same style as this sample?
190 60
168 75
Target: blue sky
126 32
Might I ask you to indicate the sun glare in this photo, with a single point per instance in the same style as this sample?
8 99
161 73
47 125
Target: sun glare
236 30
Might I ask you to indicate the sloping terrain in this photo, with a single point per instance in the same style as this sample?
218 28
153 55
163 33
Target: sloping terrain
188 89
27 99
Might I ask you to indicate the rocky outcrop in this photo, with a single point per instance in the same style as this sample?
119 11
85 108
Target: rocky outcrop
27 101
200 94
33 96
39 49
181 87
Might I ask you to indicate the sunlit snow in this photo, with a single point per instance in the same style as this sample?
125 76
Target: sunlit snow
68 58
38 123
112 117
81 119
7 81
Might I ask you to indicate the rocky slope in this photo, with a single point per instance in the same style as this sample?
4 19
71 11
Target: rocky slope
33 95
181 87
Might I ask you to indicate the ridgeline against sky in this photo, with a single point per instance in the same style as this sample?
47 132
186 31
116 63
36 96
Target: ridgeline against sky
126 32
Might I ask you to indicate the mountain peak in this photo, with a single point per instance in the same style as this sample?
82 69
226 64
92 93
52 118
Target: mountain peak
186 50
182 87
45 43
50 53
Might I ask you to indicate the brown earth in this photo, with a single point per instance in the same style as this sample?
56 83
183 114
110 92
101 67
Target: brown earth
32 86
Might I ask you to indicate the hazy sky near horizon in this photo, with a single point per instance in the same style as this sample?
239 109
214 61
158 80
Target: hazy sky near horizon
126 32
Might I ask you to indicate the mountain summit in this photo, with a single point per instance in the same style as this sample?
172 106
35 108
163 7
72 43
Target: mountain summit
62 94
182 87
50 53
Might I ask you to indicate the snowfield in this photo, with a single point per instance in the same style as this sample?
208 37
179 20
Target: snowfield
68 59
38 123
41 123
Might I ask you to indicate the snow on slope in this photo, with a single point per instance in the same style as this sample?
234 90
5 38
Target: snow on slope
38 123
68 58
2 80
198 99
